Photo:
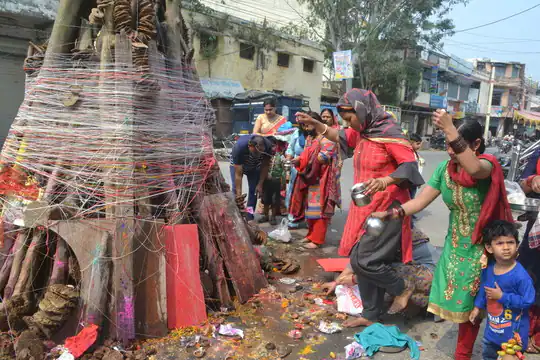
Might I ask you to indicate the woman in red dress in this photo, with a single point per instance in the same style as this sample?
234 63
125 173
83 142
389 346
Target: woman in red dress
385 161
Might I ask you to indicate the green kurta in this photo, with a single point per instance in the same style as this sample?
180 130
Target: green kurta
457 276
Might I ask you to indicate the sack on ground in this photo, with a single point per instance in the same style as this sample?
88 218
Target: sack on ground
349 300
282 233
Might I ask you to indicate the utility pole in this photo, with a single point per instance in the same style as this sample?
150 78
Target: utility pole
490 99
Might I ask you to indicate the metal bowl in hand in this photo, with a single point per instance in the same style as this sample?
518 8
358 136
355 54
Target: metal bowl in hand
374 226
358 195
287 165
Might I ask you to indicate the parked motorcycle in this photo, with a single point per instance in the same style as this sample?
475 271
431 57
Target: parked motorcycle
438 141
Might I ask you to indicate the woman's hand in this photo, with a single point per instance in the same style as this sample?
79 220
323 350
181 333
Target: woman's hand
380 215
303 118
473 316
535 184
329 287
346 278
442 120
295 161
376 185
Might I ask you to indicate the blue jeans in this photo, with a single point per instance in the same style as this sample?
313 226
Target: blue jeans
489 350
253 179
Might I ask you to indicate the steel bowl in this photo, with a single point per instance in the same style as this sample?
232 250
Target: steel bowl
287 165
374 226
358 195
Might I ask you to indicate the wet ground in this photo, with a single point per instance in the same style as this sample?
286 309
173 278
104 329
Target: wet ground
267 320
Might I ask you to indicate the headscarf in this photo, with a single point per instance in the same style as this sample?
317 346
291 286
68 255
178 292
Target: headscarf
374 121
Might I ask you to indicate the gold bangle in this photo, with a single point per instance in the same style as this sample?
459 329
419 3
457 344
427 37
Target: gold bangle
325 129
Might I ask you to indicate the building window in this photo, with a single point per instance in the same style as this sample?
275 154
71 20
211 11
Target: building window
500 71
510 99
433 59
481 66
247 51
208 45
309 65
463 93
453 90
515 71
497 97
283 59
425 85
442 87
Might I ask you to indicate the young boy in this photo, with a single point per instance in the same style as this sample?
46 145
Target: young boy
506 292
271 196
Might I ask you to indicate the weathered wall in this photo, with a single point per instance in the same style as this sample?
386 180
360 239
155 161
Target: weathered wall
39 9
292 80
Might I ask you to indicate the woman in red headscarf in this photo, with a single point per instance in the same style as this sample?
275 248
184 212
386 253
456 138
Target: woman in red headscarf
385 161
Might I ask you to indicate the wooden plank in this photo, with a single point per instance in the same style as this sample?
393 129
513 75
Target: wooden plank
231 235
150 288
213 263
122 176
185 298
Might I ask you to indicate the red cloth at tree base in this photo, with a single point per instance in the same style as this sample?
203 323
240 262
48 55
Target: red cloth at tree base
79 343
495 205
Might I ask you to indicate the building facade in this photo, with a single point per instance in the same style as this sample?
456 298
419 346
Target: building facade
227 47
449 83
21 21
511 90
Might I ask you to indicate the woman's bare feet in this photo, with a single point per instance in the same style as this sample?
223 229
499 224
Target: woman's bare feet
356 322
310 246
401 301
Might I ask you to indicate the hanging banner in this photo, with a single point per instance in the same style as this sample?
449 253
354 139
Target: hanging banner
433 86
343 65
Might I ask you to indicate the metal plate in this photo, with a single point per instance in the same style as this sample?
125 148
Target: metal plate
527 205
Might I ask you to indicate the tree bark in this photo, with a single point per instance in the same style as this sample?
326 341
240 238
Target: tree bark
20 249
30 264
64 29
60 267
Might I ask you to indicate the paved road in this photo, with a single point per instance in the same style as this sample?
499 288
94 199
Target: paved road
433 221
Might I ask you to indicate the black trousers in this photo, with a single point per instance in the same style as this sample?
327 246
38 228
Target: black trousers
371 260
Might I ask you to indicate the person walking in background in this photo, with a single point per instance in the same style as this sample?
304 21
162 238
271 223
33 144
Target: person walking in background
251 157
316 190
385 162
416 143
506 293
472 186
271 196
294 150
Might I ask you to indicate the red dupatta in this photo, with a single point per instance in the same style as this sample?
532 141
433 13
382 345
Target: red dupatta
326 174
495 205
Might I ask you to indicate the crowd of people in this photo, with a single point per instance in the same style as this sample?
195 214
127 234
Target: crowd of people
478 273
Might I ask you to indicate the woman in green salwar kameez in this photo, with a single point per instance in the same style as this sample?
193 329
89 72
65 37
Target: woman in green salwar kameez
472 186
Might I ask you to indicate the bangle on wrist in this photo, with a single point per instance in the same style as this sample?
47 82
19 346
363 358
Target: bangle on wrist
325 129
459 145
353 280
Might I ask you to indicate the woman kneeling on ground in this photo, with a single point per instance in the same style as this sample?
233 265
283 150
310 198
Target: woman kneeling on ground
419 272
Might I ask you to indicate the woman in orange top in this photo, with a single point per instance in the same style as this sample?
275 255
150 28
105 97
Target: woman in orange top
268 124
